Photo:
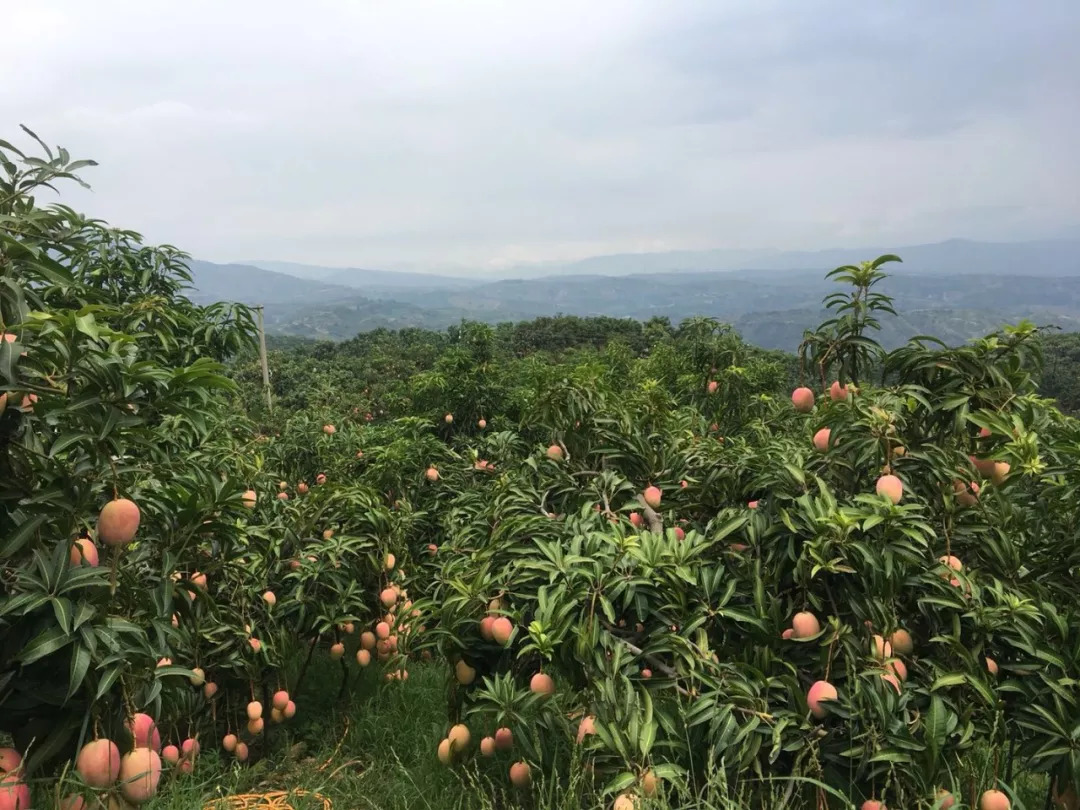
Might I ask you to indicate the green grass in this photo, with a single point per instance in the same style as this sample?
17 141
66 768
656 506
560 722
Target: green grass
376 750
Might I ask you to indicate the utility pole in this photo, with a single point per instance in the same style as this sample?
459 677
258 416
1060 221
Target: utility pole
262 359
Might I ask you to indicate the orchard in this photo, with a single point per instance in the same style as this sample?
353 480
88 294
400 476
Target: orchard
678 570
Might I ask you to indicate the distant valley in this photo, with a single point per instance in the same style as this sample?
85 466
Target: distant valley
953 290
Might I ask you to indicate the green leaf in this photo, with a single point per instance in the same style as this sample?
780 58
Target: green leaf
80 663
46 643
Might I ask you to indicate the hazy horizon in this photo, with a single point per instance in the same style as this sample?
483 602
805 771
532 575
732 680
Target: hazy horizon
485 135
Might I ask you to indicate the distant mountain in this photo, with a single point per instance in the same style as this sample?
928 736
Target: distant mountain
1050 257
253 285
954 290
359 278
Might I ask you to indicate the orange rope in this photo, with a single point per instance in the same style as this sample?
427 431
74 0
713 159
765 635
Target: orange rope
275 800
344 734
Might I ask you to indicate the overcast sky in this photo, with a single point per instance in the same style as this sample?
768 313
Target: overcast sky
385 132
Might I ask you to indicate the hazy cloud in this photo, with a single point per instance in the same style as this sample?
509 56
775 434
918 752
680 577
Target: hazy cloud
376 133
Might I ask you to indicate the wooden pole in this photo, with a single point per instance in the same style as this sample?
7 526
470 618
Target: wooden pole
262 359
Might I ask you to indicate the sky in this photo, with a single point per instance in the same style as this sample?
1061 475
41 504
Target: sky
471 134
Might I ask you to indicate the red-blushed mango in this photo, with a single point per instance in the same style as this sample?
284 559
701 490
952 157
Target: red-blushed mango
140 773
190 748
199 580
680 533
520 774
118 522
649 784
445 752
388 597
820 693
98 763
255 727
501 630
459 737
837 392
994 800
952 562
485 628
555 453
788 633
270 598
228 742
241 752
280 700
329 430
999 472
449 419
873 804
10 760
255 644
821 440
431 474
482 424
290 710
891 487
389 562
713 386
803 399
487 746
991 666
337 650
504 739
84 552
254 710
901 641
363 657
805 625
320 479
892 680
652 496
382 630
944 799
14 793
542 684
464 673
897 668
985 466
636 520
302 488
144 731
171 754
625 801
966 494
586 727
367 640
283 496
880 648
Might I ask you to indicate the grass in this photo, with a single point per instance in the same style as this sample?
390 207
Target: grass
379 754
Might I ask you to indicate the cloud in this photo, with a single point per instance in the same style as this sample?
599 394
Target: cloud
481 133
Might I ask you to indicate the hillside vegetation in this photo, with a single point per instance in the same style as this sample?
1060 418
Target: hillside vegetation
576 563
769 308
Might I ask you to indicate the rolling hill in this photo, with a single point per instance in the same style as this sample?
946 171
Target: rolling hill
769 307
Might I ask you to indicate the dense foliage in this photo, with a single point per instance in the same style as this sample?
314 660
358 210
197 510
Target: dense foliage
628 543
